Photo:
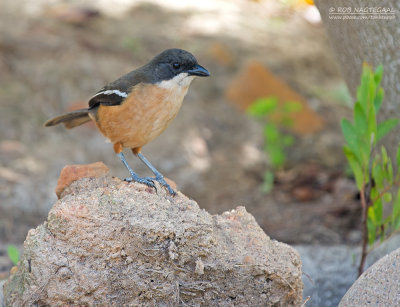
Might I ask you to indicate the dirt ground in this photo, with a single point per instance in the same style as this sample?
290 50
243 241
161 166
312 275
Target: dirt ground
58 54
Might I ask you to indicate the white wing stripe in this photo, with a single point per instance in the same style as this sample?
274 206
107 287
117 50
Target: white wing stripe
110 92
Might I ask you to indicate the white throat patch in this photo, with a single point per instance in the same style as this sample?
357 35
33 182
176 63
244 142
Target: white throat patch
182 80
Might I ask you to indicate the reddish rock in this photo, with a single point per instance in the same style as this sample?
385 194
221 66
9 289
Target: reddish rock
71 173
304 193
78 16
255 81
221 54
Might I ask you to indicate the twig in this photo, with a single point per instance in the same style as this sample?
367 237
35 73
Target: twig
305 301
385 190
364 252
365 203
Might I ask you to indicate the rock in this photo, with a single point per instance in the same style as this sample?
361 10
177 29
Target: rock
71 173
255 81
1 293
78 16
221 54
378 286
112 243
329 271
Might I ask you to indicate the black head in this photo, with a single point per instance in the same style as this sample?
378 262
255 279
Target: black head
171 63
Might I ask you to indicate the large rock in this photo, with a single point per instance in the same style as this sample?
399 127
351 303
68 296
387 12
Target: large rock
378 286
110 243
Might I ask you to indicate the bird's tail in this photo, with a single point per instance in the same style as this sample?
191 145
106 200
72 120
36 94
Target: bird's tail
71 119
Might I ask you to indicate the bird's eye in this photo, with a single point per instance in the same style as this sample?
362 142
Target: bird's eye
176 65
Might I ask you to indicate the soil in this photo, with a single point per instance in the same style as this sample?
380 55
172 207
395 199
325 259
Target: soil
58 54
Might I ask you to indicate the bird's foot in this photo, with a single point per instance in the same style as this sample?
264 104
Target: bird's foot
144 180
161 180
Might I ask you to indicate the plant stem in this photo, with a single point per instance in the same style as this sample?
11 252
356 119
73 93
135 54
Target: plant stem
364 217
386 189
365 203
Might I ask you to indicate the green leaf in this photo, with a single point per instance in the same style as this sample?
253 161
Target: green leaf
371 91
268 182
387 165
371 231
271 133
387 220
363 89
387 197
355 167
360 118
13 254
385 127
378 74
263 106
350 135
396 212
396 223
377 175
277 156
375 211
385 157
378 98
372 126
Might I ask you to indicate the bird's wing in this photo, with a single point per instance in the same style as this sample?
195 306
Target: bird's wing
116 92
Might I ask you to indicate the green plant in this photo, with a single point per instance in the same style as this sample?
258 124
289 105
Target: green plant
13 254
373 170
276 140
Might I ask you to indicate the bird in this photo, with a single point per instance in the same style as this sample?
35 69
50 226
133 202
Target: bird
136 108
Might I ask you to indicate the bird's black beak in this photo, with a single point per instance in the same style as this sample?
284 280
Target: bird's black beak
198 70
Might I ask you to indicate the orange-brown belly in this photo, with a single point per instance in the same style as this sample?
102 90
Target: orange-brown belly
141 117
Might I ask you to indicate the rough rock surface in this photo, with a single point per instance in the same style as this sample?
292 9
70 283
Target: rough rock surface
71 173
110 243
378 286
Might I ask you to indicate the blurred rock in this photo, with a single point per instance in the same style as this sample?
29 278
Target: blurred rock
378 286
78 16
1 293
12 147
71 173
221 54
256 81
10 175
118 244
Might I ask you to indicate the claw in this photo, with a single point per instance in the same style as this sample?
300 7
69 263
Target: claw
161 180
145 180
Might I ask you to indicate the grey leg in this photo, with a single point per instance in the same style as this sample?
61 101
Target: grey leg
159 177
134 177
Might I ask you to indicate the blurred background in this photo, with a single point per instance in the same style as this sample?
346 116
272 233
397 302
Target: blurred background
56 54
